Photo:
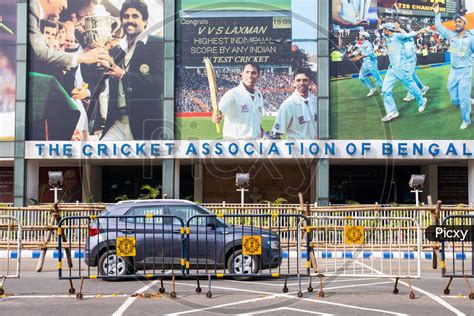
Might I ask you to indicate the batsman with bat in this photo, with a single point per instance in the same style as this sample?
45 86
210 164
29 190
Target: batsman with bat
242 107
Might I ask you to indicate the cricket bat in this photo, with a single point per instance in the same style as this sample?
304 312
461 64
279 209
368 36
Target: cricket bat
6 28
211 76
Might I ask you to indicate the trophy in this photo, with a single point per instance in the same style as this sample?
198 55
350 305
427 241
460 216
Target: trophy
98 29
364 7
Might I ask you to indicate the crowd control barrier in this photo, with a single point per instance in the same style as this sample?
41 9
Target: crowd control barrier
457 256
359 247
11 238
158 246
138 247
246 246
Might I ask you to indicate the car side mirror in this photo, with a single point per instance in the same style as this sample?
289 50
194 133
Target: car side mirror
211 222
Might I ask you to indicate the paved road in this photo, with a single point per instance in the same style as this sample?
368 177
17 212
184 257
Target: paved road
43 294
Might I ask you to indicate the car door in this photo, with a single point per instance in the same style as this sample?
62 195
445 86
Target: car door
148 230
204 242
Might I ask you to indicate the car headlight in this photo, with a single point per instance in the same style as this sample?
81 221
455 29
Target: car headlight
275 244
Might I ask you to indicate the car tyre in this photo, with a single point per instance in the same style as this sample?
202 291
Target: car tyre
113 265
238 263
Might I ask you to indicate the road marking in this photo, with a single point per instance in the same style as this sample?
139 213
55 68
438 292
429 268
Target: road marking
296 298
353 279
262 283
463 296
65 296
223 305
430 295
284 309
130 300
350 306
356 285
435 298
302 282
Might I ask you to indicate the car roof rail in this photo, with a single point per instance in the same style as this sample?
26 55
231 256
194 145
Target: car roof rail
154 200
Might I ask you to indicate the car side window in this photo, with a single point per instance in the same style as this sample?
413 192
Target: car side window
185 212
145 210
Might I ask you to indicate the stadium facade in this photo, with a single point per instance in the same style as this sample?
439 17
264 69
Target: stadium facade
65 115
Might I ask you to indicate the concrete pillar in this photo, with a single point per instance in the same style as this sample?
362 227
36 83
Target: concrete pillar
168 178
322 182
313 184
177 176
431 183
20 194
198 181
470 174
323 69
91 183
32 184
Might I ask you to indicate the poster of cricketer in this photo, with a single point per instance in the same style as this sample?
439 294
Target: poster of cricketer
95 70
401 69
7 69
246 69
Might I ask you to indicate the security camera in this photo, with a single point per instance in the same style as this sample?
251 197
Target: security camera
242 179
55 178
416 181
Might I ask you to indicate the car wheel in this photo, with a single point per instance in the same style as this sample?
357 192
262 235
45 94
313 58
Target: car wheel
112 265
241 264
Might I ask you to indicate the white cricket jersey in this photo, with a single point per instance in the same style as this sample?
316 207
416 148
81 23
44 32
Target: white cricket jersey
297 117
242 113
350 10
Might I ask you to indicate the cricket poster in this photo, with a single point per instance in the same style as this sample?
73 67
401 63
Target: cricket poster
254 50
7 69
398 72
95 71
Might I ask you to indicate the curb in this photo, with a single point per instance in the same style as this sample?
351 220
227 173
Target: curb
376 255
76 254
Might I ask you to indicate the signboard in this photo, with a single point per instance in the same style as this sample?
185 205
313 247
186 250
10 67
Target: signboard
235 40
252 245
6 184
126 246
241 149
354 235
413 7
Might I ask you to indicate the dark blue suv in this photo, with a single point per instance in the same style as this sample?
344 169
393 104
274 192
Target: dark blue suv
156 227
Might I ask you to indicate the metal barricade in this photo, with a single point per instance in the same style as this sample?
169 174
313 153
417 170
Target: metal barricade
139 247
246 246
363 246
457 257
11 234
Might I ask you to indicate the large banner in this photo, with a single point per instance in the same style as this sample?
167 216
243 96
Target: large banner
237 67
95 70
398 77
7 69
70 190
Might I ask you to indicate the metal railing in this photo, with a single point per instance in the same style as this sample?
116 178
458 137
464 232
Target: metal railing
39 220
11 232
458 264
358 246
151 246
